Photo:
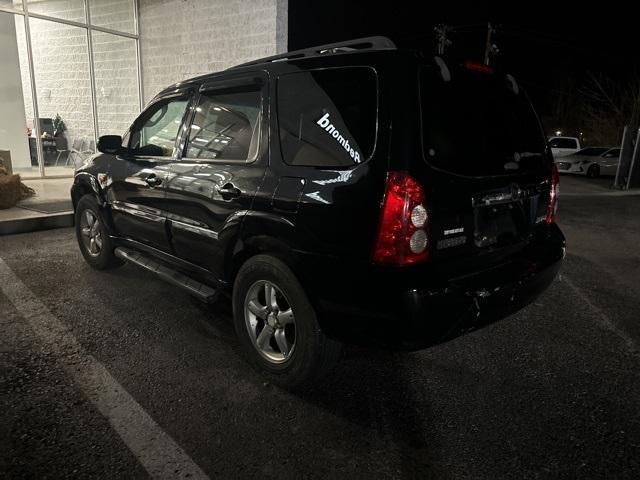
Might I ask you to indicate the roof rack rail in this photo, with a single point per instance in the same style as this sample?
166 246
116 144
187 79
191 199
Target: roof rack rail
365 43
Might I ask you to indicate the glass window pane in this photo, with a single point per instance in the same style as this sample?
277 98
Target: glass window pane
65 9
16 108
226 126
158 128
328 117
500 129
114 14
13 4
116 76
63 89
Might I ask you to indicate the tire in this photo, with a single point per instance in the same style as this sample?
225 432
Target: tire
93 239
593 171
292 320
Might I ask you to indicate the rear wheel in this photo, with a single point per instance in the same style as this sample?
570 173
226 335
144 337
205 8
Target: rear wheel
277 326
593 171
93 239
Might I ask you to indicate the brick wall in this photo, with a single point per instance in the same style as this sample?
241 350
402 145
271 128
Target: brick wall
116 78
184 38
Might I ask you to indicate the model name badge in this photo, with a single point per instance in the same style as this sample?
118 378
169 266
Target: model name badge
326 124
454 230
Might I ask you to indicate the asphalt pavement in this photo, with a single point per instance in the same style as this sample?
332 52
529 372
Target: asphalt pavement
94 365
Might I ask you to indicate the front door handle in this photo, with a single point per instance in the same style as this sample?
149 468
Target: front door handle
153 180
228 191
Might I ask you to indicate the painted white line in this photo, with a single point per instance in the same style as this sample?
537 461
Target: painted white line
617 193
602 318
158 453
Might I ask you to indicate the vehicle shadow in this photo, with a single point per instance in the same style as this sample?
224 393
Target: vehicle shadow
372 389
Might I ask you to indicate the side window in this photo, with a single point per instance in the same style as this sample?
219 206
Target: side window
613 153
226 125
328 118
155 132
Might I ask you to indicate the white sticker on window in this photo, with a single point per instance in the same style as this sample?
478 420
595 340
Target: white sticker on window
326 124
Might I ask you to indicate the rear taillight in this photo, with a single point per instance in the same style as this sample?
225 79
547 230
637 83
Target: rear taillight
402 233
554 191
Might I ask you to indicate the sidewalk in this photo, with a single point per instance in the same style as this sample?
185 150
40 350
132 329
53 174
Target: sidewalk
50 208
580 186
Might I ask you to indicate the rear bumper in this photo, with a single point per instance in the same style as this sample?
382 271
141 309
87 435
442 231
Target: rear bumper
434 317
397 312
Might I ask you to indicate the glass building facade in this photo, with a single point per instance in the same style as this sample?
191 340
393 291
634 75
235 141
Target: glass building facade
71 72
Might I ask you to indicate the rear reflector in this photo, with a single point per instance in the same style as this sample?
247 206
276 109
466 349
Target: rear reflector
478 67
402 233
554 191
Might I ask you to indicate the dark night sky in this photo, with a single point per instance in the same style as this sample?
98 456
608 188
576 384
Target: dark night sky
548 48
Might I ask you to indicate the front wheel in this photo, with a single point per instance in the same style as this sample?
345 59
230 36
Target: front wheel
93 238
277 325
593 171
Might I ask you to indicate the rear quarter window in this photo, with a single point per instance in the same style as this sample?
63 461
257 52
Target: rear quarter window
327 118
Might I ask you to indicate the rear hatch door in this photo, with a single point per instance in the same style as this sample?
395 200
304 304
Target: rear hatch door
489 172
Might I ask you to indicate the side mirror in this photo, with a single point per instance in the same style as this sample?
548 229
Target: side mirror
111 144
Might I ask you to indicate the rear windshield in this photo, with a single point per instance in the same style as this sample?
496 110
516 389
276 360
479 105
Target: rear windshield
328 117
563 143
479 124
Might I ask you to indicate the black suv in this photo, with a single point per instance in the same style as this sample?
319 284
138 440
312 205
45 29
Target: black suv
349 192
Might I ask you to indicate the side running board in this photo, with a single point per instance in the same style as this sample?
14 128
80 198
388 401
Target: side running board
195 288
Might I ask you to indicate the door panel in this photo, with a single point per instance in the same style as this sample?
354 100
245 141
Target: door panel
137 200
136 183
609 164
205 206
209 190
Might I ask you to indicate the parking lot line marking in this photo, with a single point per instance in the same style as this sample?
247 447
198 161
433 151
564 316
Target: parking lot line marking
158 453
615 193
602 318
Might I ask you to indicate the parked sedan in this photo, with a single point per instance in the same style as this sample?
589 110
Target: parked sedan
591 161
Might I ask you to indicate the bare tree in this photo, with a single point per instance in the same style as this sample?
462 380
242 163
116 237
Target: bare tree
608 106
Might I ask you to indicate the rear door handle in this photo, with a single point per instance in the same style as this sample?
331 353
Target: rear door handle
229 191
153 180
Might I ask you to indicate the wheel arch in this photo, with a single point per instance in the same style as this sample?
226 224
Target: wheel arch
84 184
87 184
279 242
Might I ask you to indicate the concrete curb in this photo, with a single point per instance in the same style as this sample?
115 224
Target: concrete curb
32 224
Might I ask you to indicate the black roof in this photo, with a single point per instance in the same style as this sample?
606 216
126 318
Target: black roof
358 44
350 46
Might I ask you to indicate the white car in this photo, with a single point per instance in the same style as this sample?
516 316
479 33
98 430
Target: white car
591 161
562 146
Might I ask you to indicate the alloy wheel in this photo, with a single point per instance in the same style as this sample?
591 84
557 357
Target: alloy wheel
91 233
270 321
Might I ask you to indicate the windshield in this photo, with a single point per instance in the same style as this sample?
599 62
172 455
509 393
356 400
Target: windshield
477 125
